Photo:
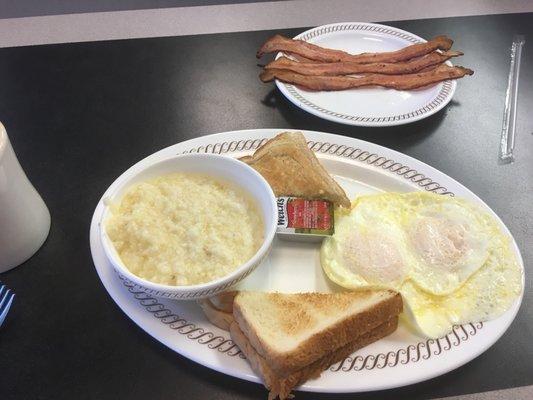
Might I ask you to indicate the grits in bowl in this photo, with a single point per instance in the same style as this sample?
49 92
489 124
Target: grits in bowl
185 229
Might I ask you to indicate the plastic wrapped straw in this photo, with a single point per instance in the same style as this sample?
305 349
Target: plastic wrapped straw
511 98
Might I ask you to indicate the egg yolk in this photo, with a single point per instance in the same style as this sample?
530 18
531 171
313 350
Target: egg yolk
438 241
374 256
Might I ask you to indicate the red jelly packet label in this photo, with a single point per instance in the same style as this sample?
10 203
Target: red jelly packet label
296 215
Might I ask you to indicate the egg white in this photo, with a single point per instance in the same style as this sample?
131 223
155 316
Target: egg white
368 248
486 295
448 240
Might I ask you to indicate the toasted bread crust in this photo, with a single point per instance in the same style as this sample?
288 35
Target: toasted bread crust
292 169
283 385
321 343
219 318
224 301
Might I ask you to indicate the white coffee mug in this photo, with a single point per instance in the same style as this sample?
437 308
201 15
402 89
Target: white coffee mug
24 218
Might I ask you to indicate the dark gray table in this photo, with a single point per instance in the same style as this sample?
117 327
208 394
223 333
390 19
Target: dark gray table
80 114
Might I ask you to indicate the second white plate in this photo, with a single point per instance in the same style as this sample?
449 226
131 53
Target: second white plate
374 106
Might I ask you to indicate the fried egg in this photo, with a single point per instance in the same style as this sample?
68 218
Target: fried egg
448 239
440 252
486 295
367 249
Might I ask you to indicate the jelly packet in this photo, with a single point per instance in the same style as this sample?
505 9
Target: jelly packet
304 220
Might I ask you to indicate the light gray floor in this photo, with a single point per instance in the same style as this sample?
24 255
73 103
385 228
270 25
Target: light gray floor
33 22
177 21
521 393
33 8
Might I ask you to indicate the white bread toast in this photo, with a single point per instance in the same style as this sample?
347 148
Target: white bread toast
281 386
219 309
291 331
219 318
224 301
292 169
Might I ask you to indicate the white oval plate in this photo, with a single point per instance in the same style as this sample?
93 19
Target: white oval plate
360 167
375 106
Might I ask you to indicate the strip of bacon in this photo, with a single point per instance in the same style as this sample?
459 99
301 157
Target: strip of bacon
301 58
314 52
430 68
348 67
401 82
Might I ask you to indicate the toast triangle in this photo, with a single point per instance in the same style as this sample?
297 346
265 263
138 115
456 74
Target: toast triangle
291 331
281 386
292 169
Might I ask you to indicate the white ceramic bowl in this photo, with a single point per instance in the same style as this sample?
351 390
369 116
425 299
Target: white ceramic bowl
216 166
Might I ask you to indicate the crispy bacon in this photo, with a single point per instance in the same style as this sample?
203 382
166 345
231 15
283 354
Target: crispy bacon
348 67
301 58
430 68
401 82
314 52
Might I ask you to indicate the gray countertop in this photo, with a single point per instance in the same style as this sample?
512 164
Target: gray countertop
222 17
